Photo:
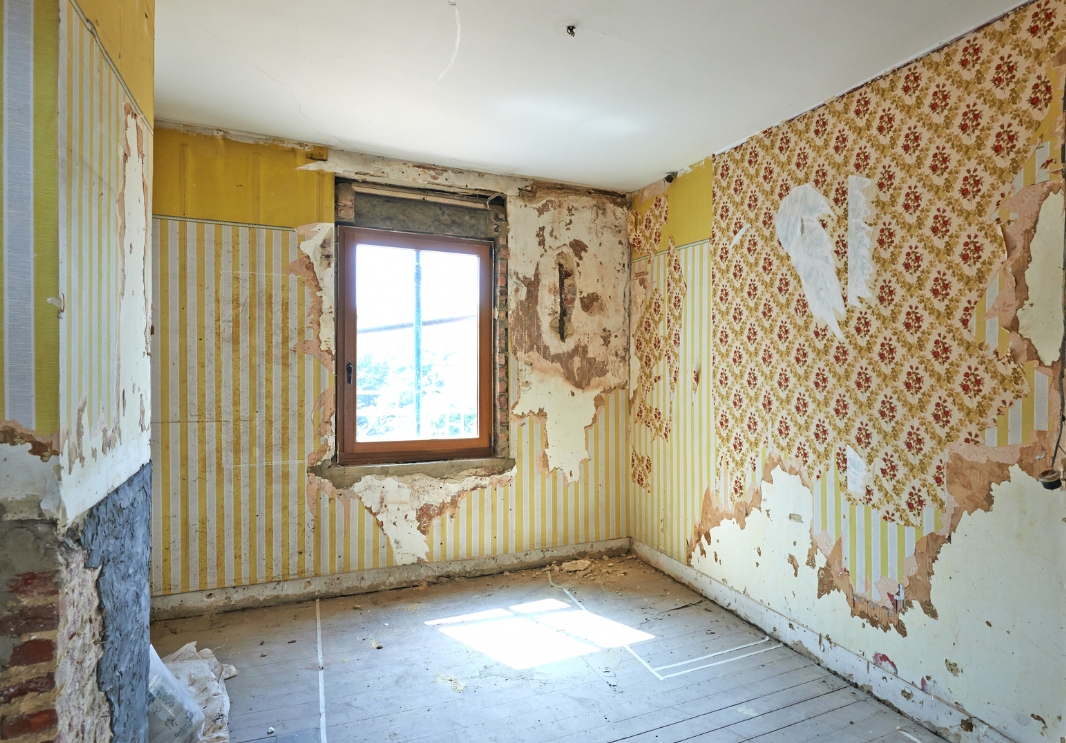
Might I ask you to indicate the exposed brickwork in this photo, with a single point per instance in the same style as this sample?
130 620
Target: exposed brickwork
503 402
33 652
35 722
30 564
25 619
35 584
37 685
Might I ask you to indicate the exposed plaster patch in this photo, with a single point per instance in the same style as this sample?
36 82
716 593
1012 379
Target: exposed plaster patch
1038 317
316 242
861 195
567 412
1014 293
568 318
979 628
101 449
316 267
405 507
13 433
856 472
808 245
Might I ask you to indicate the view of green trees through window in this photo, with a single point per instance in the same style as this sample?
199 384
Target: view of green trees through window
417 344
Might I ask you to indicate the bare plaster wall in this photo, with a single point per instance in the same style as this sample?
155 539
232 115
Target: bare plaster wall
569 299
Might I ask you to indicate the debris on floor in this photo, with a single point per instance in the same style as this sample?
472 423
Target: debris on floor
205 678
575 566
451 681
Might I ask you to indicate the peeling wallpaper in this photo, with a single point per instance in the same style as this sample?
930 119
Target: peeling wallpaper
104 295
875 380
76 309
244 396
560 375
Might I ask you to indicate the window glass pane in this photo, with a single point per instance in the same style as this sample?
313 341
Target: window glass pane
417 344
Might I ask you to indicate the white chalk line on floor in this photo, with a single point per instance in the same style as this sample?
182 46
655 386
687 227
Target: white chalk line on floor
321 678
655 671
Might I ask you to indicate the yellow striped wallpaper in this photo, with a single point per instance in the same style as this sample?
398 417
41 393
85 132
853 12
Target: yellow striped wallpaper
232 428
92 109
29 188
681 465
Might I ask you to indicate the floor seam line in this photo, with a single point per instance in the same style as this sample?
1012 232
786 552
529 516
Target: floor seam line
787 706
728 706
321 677
806 719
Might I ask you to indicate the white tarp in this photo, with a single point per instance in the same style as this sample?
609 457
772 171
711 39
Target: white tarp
205 679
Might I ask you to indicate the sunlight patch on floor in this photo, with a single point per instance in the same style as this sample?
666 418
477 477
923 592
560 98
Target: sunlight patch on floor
537 633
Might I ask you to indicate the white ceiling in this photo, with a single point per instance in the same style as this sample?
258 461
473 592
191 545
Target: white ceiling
643 88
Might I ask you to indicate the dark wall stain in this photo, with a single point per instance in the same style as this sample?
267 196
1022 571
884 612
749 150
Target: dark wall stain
578 367
592 304
579 248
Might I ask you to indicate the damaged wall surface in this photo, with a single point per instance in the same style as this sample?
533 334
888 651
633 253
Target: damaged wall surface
76 373
239 445
568 314
874 460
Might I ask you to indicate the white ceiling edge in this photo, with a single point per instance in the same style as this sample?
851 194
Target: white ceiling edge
641 90
895 68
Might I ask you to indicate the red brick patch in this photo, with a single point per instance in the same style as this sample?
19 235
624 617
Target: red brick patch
30 619
32 652
37 685
13 727
35 584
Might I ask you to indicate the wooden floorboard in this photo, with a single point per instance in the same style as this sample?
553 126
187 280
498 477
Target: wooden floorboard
424 685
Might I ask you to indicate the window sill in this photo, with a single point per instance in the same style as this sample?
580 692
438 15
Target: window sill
454 469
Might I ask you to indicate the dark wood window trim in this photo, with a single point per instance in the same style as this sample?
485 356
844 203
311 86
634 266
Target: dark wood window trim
349 450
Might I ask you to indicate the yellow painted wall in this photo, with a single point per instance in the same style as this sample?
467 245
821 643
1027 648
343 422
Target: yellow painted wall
691 200
211 177
126 29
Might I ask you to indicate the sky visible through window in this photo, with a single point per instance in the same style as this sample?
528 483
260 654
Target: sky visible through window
417 344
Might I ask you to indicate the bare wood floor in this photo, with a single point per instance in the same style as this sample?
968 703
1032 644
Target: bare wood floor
619 652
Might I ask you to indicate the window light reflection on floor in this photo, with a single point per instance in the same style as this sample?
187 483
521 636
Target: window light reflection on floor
537 633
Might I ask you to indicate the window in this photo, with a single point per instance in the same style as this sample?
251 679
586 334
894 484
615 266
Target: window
415 347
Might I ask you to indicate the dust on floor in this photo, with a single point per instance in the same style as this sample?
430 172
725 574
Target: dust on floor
616 651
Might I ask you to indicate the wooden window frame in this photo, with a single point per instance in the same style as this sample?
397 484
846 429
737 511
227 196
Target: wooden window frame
349 450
